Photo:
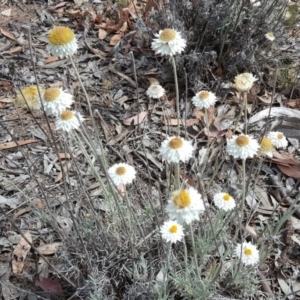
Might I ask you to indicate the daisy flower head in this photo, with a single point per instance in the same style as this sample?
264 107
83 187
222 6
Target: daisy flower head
172 231
242 146
168 42
121 173
185 205
68 120
32 98
155 91
270 36
266 147
278 139
244 82
204 99
62 41
224 201
248 252
175 149
55 101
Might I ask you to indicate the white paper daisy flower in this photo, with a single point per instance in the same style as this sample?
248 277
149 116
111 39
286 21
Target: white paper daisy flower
185 205
244 82
31 95
270 36
68 120
242 146
168 42
155 91
224 201
175 149
55 101
266 147
62 41
121 173
204 99
171 231
248 253
278 139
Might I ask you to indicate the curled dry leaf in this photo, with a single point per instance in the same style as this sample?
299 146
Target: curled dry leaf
137 119
20 253
287 164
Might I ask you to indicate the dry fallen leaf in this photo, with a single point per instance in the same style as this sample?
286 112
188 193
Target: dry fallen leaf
66 166
174 122
15 50
7 33
65 155
137 119
20 253
51 59
13 144
102 34
6 12
294 103
48 249
116 38
287 164
49 285
7 100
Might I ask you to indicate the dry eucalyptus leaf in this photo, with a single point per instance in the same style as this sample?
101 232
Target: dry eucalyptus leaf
20 253
137 119
49 248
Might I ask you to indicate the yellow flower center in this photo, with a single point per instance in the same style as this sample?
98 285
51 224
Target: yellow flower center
226 197
266 144
242 141
67 115
168 35
176 143
121 171
173 229
203 95
182 199
30 92
270 35
61 35
248 251
51 94
280 136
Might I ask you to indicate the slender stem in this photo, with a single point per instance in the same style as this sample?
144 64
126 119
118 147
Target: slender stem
165 277
185 259
177 180
246 112
194 252
89 106
242 214
177 94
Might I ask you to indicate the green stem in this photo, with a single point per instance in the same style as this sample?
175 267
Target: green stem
90 109
245 107
177 93
194 252
177 179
